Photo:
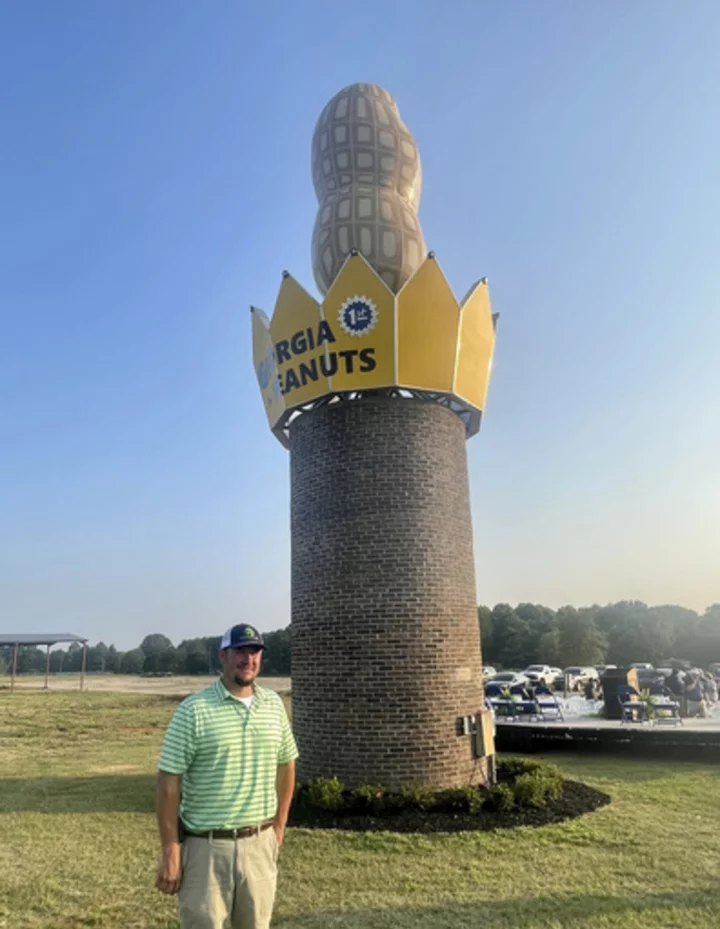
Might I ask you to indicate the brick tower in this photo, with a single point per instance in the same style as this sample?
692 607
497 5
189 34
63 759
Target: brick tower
374 391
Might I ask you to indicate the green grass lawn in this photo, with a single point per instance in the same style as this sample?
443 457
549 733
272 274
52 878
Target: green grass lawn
78 843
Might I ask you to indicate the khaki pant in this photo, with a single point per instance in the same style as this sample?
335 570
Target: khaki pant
228 884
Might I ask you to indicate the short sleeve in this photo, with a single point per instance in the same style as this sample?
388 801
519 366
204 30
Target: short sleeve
178 748
288 748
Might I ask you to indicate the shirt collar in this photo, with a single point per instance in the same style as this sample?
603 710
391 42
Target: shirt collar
224 694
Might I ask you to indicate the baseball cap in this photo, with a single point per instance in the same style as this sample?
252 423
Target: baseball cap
243 634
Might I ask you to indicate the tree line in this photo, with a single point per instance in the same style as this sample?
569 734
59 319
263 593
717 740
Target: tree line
619 633
511 637
156 654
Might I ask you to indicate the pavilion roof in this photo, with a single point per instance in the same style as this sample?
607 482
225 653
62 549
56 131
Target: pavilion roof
39 638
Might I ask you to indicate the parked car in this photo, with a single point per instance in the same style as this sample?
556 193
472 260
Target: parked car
509 678
648 676
682 664
488 671
539 673
602 668
642 666
577 677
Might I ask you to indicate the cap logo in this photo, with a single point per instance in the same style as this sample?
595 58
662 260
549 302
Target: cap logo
249 632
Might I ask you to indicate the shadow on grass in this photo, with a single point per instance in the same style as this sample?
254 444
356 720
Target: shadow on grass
113 793
530 912
626 769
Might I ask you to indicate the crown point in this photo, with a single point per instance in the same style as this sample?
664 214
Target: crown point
353 251
431 255
286 274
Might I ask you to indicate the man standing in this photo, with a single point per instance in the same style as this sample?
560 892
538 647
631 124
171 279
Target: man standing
226 778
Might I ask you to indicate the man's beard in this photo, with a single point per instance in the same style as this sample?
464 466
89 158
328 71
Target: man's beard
242 679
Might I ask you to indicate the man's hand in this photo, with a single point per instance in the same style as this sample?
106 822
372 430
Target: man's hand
279 831
167 804
285 784
169 872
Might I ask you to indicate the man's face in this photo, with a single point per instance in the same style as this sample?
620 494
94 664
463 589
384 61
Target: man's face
241 665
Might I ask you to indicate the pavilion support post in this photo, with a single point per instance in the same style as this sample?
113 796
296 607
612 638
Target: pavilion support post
14 667
82 667
47 666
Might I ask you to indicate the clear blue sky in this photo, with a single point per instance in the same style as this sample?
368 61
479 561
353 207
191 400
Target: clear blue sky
155 180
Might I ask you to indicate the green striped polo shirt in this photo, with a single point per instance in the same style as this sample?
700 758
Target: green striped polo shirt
228 757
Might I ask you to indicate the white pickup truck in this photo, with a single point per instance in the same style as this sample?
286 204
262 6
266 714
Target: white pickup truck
539 674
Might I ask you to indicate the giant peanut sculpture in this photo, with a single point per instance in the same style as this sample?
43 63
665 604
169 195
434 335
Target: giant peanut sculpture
367 178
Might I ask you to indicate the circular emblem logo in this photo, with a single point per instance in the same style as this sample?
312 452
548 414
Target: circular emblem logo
265 370
358 315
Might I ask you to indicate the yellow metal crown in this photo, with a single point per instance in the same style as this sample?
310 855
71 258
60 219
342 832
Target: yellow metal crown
364 337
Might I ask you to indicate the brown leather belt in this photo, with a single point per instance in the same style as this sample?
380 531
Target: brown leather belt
243 833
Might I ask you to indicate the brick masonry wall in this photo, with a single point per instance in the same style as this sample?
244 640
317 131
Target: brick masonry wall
385 636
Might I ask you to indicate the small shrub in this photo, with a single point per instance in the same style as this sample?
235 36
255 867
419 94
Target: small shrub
462 799
417 797
511 768
501 797
325 793
368 798
535 788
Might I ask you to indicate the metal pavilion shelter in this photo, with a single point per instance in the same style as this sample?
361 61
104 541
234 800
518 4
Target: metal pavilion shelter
36 639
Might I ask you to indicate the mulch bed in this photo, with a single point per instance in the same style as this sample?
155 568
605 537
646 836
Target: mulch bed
576 799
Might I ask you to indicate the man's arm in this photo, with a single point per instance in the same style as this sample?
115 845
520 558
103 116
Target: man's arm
284 785
167 807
